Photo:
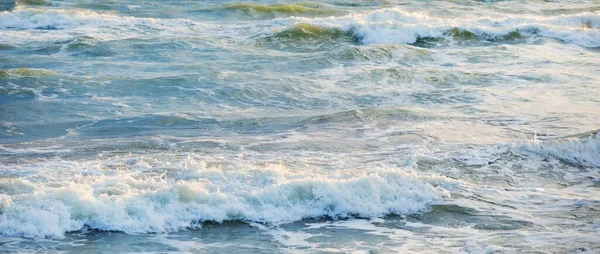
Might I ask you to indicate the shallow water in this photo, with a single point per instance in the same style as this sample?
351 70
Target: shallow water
284 127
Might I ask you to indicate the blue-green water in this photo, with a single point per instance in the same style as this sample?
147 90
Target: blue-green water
280 126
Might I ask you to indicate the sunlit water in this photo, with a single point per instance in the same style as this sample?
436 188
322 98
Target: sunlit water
279 126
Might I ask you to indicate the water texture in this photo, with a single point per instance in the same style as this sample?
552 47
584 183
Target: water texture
292 127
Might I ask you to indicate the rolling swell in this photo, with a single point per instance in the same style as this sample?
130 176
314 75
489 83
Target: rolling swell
284 10
32 2
307 36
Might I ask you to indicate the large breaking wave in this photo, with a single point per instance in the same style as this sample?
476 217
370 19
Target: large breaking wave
139 195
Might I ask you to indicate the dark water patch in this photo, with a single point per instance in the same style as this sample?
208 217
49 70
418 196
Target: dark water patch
87 46
46 49
587 134
71 46
444 96
429 42
473 37
81 42
27 84
37 129
48 28
6 47
369 53
143 125
308 31
308 37
361 116
102 6
209 237
148 46
458 216
460 34
184 126
364 3
7 5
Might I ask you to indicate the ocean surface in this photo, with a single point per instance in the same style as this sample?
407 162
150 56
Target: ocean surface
373 126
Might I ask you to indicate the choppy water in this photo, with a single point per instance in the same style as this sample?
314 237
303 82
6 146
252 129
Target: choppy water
280 126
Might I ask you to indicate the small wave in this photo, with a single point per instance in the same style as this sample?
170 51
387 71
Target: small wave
365 115
25 72
365 53
307 36
582 150
140 200
32 2
284 10
308 31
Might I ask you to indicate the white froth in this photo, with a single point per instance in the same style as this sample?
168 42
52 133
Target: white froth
146 198
25 26
62 19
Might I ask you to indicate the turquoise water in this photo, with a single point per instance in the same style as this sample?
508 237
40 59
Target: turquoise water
280 126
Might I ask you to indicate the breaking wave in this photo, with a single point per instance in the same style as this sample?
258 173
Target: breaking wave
582 150
396 26
132 195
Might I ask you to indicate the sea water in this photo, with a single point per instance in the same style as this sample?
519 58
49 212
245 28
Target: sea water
290 127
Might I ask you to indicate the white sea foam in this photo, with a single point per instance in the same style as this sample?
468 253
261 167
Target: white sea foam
62 19
27 25
137 194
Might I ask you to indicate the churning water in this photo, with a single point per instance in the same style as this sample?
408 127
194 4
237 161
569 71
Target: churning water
280 126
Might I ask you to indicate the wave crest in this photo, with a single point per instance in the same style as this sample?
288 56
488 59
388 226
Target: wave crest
582 150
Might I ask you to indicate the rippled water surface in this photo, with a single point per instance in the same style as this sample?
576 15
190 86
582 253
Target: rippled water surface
291 127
